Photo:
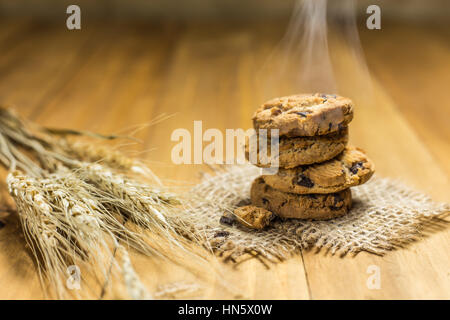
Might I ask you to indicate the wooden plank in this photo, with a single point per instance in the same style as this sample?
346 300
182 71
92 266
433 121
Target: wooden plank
41 60
118 76
417 79
26 85
398 152
183 91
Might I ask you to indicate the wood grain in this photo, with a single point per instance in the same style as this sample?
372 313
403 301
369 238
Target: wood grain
108 78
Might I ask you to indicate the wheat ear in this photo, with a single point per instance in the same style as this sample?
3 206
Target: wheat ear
135 288
63 228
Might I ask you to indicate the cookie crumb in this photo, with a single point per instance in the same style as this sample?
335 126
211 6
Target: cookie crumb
221 234
227 219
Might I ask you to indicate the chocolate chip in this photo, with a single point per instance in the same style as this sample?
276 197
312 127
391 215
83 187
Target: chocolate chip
221 234
317 131
312 196
302 114
265 201
226 220
273 217
354 168
338 202
329 126
304 181
337 198
2 224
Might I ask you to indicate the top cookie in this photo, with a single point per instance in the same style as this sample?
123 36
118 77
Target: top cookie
304 114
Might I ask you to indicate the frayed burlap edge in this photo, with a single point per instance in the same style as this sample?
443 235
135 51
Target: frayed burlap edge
385 215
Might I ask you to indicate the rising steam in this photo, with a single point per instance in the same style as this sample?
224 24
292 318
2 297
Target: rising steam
320 52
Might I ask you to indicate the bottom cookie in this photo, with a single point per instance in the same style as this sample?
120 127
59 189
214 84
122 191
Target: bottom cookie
307 206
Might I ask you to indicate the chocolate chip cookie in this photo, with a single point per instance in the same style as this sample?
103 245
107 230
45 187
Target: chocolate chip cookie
304 114
296 151
308 206
350 168
253 217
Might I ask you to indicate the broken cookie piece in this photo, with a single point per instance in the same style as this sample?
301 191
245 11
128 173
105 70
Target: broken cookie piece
253 217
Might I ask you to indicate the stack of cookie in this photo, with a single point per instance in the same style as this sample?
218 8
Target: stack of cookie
316 167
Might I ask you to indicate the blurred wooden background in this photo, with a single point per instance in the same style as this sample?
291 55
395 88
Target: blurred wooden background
213 9
110 76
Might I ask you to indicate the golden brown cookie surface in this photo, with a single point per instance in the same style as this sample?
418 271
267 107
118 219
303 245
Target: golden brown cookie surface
308 206
304 114
351 168
296 151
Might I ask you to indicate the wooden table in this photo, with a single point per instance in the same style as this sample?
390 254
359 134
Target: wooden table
107 78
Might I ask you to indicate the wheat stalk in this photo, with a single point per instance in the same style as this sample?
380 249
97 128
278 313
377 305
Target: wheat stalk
78 203
41 228
144 205
94 153
135 288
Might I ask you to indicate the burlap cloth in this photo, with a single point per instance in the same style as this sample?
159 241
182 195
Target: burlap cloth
385 215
